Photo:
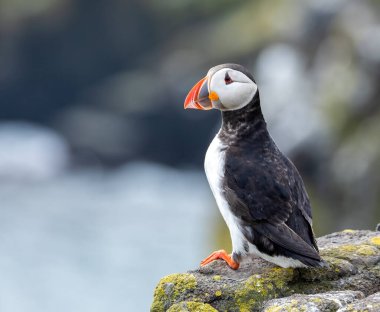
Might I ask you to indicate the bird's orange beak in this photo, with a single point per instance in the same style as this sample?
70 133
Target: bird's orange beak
198 97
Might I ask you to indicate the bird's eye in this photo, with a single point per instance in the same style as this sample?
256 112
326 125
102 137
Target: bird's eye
227 79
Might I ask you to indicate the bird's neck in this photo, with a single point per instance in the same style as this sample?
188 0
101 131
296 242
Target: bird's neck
245 122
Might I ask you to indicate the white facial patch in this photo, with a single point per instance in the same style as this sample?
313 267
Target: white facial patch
232 95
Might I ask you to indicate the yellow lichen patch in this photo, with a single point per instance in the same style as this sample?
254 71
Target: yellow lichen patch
375 240
191 306
347 251
349 231
361 250
334 264
217 277
170 288
274 308
316 300
258 288
218 293
292 306
349 307
280 277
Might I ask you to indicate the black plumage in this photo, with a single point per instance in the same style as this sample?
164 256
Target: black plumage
263 188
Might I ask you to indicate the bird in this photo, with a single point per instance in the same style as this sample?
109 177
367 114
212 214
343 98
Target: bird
258 190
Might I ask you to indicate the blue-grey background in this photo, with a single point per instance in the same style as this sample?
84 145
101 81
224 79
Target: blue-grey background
102 189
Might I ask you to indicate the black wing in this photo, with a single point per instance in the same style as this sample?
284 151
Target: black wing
267 195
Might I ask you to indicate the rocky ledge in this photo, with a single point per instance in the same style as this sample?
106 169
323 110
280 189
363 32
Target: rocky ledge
350 282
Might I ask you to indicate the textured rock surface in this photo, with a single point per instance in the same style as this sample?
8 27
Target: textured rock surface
328 301
350 282
369 304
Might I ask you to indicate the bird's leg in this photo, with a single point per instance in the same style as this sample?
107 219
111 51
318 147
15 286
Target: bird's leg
221 254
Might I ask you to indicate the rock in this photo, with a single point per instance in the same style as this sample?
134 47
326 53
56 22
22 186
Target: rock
349 282
369 304
328 301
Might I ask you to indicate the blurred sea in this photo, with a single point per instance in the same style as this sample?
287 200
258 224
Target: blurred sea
95 240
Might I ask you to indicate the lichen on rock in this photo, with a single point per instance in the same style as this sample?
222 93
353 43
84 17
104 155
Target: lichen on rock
191 306
170 289
351 276
258 288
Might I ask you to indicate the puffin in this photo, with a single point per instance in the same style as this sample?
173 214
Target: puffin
258 190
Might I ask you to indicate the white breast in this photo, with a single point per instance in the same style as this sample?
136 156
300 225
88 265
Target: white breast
214 167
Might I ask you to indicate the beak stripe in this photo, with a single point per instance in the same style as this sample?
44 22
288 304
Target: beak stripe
198 96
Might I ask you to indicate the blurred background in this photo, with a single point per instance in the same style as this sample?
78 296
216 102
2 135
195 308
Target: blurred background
102 188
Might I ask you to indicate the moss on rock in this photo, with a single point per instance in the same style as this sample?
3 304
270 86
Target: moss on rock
170 288
258 288
334 269
191 306
346 251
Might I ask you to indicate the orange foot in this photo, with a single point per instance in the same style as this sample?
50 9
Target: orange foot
221 254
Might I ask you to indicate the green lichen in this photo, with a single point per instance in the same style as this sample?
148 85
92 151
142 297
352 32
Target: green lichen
217 277
349 307
218 293
274 308
350 251
191 306
361 250
336 268
258 288
316 300
292 306
170 288
336 264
